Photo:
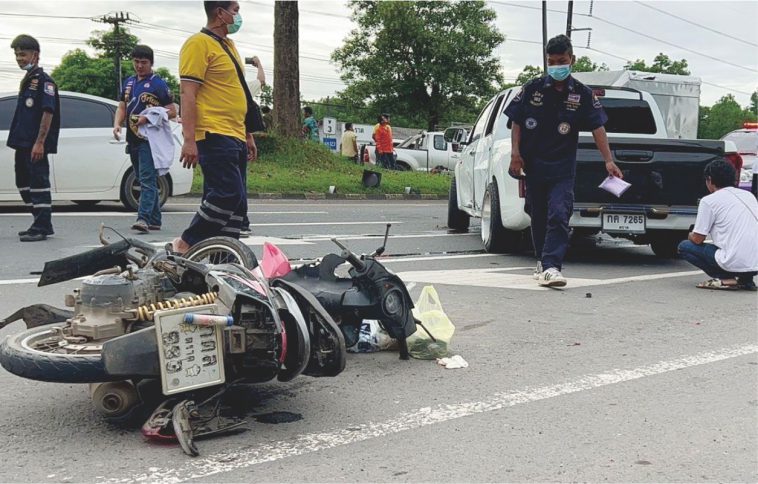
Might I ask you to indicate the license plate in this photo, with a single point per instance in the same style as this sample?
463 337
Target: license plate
624 222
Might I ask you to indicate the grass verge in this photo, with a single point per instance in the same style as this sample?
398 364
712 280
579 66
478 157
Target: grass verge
294 166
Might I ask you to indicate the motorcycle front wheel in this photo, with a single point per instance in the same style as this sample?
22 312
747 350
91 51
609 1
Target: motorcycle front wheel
222 250
44 354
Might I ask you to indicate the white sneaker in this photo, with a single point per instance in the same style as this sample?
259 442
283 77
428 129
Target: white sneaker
537 271
551 277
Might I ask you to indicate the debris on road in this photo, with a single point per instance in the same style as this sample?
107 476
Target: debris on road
452 363
372 337
432 341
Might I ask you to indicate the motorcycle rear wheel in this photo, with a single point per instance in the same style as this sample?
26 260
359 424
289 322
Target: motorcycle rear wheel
36 354
222 250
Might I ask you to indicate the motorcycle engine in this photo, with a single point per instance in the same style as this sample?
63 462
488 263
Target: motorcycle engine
104 303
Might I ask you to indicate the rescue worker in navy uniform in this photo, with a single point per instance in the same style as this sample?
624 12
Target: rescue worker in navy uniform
34 134
546 117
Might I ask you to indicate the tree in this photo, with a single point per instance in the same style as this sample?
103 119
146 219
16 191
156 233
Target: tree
662 63
585 64
724 116
286 69
423 59
754 102
96 75
107 43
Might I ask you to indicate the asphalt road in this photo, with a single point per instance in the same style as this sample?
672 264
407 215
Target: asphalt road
629 374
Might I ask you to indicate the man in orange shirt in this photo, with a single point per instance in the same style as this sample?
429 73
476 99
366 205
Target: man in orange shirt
383 139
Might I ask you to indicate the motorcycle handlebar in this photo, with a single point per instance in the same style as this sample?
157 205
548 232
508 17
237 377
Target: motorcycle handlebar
350 256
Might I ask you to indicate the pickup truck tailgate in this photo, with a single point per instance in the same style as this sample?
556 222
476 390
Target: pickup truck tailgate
663 172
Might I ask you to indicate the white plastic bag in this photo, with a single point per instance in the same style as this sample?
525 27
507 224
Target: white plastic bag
372 337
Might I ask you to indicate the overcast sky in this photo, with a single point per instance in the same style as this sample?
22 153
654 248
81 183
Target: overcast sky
718 39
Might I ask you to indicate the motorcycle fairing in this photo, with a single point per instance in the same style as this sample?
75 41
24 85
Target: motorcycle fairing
321 281
327 354
86 263
38 315
133 355
298 339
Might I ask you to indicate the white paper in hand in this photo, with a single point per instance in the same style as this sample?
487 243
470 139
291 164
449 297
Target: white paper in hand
615 185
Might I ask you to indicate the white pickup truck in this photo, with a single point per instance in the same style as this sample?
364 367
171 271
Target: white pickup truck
659 208
423 152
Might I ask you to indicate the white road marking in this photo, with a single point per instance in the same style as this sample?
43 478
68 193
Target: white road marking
10 282
494 277
316 238
441 257
232 460
163 213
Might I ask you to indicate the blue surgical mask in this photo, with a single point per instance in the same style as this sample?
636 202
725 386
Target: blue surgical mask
234 27
28 67
559 73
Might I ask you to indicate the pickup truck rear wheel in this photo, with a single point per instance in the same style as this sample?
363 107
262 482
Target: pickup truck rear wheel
457 220
495 237
666 245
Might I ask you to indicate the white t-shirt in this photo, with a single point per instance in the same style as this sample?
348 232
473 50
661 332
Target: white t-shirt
255 87
730 216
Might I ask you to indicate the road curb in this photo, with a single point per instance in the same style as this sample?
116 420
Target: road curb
344 196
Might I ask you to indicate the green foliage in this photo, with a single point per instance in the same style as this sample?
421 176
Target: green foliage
267 95
585 64
724 116
108 42
754 103
423 59
297 166
662 63
78 72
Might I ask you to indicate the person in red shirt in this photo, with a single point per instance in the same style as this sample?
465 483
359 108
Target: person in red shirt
383 138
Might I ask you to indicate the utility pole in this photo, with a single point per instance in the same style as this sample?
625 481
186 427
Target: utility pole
544 36
116 20
569 18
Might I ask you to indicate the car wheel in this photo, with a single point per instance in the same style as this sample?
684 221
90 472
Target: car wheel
86 203
666 246
495 237
457 220
402 166
130 190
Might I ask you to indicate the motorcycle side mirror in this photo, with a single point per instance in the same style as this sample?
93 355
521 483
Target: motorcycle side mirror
381 249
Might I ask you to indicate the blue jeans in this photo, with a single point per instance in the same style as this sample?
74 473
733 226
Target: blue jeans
144 168
222 159
33 183
703 256
550 204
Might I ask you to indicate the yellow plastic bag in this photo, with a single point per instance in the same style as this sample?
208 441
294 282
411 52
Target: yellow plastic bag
429 311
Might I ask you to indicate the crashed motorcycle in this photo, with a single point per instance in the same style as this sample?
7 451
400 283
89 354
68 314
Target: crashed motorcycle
145 315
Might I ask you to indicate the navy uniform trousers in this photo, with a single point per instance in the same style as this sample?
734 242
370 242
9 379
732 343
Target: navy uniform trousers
551 204
33 183
224 204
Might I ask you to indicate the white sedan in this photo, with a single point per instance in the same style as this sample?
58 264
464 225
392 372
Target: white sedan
90 165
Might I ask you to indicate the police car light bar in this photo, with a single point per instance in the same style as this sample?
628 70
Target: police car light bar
749 125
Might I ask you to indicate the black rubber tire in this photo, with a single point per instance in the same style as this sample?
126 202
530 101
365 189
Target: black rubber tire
496 238
666 246
130 195
402 166
25 362
457 220
243 254
86 203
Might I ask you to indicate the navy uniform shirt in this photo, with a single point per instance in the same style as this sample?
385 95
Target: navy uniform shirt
138 95
38 93
550 122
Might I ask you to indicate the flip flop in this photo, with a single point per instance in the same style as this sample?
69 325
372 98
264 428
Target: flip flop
717 284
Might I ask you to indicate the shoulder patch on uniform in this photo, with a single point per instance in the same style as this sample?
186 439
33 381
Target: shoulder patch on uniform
596 102
50 89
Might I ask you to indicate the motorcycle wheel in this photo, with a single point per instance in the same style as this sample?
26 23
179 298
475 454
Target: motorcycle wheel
222 250
36 354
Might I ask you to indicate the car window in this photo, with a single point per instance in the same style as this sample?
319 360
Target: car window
7 108
439 142
501 128
495 112
476 133
83 113
410 143
628 116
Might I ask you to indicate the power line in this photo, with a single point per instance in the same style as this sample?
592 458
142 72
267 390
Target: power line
669 43
697 24
44 16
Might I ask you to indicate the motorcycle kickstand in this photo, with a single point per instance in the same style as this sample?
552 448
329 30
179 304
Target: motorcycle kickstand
403 347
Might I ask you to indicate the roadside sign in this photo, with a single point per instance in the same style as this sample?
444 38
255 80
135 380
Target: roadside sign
330 126
363 132
331 143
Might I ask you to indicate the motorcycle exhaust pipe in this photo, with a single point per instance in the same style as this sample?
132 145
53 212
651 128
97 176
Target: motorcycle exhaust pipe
114 399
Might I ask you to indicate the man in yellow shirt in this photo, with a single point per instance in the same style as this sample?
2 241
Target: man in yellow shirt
214 106
350 143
